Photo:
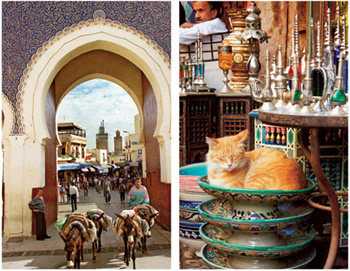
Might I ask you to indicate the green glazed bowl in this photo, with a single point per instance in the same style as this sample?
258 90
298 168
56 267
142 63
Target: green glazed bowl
218 259
281 244
255 195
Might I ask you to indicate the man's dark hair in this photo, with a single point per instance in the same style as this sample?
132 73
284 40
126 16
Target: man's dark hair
214 5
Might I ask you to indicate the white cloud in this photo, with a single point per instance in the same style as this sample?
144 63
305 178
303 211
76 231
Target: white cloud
96 100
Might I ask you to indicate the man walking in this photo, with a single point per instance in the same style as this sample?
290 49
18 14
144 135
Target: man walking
138 194
74 195
86 187
107 190
37 205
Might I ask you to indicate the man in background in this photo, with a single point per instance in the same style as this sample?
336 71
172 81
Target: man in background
37 205
207 15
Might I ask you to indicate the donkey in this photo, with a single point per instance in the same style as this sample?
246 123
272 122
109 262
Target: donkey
102 222
148 215
76 230
127 228
74 246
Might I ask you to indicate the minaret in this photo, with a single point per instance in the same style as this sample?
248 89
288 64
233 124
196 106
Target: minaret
118 144
102 138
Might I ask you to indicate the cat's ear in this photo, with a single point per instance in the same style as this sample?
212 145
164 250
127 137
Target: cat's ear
212 142
242 136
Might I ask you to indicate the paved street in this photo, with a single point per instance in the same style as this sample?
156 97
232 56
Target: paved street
28 253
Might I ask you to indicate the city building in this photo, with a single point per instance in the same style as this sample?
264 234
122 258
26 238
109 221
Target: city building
97 155
132 150
73 140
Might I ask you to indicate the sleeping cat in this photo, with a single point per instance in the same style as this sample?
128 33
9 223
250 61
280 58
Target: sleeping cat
229 165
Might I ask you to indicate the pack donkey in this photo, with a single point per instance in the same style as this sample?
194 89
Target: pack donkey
102 222
148 214
76 230
126 226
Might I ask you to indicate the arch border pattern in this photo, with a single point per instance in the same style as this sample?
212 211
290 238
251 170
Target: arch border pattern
10 110
34 59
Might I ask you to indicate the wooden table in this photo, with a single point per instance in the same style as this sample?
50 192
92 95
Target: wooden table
312 124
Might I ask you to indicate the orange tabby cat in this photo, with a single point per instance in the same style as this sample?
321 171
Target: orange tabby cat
229 165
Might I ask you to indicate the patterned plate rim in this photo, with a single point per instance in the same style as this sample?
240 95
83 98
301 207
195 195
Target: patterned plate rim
228 245
312 257
256 191
246 221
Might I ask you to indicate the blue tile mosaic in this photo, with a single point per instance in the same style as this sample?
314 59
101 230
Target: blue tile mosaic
27 25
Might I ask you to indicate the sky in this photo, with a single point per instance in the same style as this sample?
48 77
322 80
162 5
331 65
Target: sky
96 100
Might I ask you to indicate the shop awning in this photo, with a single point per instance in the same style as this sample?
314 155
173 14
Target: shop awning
124 164
101 169
88 169
72 166
134 164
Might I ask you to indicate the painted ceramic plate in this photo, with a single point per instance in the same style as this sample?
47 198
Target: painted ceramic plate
222 212
218 259
288 242
190 225
190 233
254 195
190 215
189 187
189 204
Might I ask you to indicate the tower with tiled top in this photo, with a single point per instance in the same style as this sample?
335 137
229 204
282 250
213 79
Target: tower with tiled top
102 138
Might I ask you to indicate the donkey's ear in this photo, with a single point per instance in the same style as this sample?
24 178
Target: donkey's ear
63 237
101 216
120 216
153 215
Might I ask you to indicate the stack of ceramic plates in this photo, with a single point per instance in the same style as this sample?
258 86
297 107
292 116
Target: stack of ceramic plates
256 229
191 195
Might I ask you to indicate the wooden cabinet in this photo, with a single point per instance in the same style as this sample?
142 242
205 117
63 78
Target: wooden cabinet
212 115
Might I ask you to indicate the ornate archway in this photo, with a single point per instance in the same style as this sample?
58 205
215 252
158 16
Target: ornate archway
95 34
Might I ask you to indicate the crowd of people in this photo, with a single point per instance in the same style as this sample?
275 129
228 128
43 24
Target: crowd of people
126 186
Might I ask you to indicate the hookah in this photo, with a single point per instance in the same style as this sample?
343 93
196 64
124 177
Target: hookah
199 83
295 93
266 95
338 97
346 62
307 93
280 81
182 81
337 41
254 35
319 78
329 67
312 47
189 75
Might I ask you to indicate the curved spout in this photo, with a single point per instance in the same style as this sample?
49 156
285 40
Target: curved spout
256 89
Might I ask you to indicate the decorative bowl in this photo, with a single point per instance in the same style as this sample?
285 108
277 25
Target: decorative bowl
190 225
190 204
256 195
218 259
190 233
189 188
284 243
190 215
222 212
